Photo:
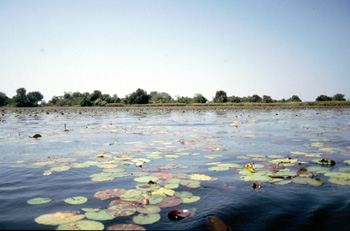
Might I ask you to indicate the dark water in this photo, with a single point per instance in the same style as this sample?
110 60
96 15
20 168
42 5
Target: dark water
210 137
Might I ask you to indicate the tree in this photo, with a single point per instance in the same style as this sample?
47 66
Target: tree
338 97
294 98
267 99
3 99
20 100
67 95
220 97
234 99
95 95
85 102
323 98
199 98
138 97
160 97
183 99
77 94
34 97
256 99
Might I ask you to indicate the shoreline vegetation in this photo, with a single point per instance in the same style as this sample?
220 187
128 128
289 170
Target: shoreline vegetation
140 99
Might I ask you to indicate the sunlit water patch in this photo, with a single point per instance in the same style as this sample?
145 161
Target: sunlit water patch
174 169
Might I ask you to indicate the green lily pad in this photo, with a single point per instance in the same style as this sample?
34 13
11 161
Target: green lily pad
131 193
76 200
126 227
39 200
121 210
339 181
58 218
109 193
145 179
218 168
146 219
148 209
90 209
171 186
183 194
101 215
229 165
190 199
82 225
155 199
347 162
60 169
307 180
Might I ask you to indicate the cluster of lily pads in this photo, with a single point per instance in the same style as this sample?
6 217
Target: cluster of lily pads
145 202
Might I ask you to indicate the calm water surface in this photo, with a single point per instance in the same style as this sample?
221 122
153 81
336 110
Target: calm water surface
177 142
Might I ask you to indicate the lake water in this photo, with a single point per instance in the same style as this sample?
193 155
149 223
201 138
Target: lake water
201 152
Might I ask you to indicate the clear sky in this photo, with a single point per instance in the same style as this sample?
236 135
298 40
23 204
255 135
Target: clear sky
182 47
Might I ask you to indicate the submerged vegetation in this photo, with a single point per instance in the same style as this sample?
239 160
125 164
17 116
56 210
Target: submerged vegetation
154 98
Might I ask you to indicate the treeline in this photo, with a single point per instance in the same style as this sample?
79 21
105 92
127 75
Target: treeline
140 96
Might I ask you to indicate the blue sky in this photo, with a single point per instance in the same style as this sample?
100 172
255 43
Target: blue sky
183 47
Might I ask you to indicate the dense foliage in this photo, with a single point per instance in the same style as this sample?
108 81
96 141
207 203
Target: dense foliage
140 97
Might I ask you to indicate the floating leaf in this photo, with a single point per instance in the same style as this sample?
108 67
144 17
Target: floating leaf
148 209
155 199
121 210
339 181
218 168
146 219
126 227
190 199
109 193
163 192
215 224
101 215
306 180
171 186
90 210
131 193
58 218
176 215
183 194
169 202
76 200
199 176
82 225
38 201
60 169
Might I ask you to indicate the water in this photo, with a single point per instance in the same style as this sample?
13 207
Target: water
189 141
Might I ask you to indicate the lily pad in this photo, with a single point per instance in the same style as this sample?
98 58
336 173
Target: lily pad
76 200
218 168
148 209
82 225
170 202
324 161
183 194
109 193
58 218
199 176
39 200
101 215
146 219
171 186
121 210
307 180
339 181
60 169
131 193
126 227
155 199
190 199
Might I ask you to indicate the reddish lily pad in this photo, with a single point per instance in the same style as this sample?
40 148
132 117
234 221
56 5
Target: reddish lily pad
170 202
121 210
109 193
